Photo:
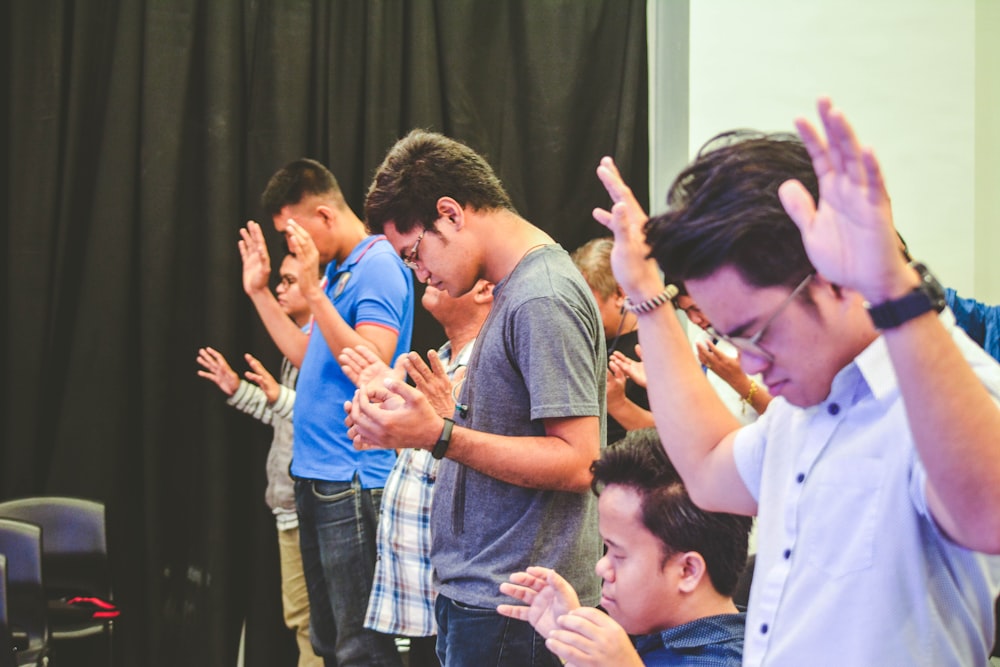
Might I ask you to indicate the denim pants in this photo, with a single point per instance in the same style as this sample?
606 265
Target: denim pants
337 522
480 637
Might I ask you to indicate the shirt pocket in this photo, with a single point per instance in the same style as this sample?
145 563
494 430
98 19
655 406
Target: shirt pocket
842 506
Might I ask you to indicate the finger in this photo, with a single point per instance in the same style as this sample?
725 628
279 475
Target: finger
514 611
873 173
523 593
798 203
845 145
815 146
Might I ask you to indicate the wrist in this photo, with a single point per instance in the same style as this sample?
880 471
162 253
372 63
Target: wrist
896 285
444 440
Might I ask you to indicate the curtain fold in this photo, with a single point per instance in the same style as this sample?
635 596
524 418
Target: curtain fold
138 136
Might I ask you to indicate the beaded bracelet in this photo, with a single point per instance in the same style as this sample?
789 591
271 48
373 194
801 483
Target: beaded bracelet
652 303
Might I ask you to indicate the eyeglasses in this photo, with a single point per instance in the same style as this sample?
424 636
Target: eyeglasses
287 281
751 344
410 258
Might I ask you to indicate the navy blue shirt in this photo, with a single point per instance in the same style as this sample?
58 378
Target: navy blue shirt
713 641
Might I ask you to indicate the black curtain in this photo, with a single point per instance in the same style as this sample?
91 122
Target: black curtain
138 136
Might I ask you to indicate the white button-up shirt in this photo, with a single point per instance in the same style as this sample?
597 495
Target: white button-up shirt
851 568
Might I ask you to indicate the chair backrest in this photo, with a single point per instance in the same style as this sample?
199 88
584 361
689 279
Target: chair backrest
6 642
75 552
21 543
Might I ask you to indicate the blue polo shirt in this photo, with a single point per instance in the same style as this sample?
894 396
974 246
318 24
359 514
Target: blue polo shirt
372 286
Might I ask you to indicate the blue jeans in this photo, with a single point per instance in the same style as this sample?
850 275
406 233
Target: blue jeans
481 637
337 522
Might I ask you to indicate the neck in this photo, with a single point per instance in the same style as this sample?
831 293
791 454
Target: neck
460 336
702 606
509 237
351 232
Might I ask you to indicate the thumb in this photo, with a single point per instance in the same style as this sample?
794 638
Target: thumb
798 204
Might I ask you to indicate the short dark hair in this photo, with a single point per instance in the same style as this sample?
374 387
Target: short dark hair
420 169
724 210
296 180
638 462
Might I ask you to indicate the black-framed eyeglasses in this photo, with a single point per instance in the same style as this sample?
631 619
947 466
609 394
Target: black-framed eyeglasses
410 258
751 344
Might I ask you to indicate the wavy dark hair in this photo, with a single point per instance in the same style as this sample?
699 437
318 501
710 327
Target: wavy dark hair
420 169
724 210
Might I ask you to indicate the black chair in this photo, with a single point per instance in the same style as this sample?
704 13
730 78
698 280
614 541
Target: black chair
21 543
6 641
76 570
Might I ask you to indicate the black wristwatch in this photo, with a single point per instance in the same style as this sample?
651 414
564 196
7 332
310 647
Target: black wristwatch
927 296
441 446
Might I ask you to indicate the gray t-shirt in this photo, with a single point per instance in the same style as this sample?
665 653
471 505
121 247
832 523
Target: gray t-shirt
539 355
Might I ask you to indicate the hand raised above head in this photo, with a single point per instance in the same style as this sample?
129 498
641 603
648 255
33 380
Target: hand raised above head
849 236
637 275
256 260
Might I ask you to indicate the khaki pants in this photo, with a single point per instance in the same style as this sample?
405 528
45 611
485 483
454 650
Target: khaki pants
294 598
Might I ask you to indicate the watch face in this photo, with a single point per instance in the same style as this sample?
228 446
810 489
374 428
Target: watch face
930 286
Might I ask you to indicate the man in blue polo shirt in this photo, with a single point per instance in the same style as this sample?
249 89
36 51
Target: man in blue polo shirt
366 298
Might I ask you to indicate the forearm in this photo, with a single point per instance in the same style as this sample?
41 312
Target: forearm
540 462
339 335
630 415
691 419
956 429
286 334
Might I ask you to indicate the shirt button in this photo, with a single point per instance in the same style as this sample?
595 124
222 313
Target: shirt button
801 477
833 409
787 554
763 629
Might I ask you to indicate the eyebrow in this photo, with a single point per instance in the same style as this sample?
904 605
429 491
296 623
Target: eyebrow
741 330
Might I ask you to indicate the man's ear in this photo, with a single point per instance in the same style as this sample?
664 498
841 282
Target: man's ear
484 292
451 210
327 213
693 570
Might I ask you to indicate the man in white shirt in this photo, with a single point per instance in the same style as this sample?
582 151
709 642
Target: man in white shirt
873 472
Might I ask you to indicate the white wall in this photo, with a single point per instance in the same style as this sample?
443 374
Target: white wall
905 72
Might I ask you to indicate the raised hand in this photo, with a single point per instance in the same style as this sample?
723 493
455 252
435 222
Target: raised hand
256 260
546 594
638 276
634 370
849 237
217 370
431 378
301 244
726 367
362 366
262 378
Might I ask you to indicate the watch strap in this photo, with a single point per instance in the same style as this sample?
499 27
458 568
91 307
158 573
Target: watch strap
441 446
925 297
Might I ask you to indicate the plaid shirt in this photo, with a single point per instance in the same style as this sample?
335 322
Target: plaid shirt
402 598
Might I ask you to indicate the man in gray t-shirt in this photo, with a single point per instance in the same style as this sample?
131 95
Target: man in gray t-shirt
513 489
